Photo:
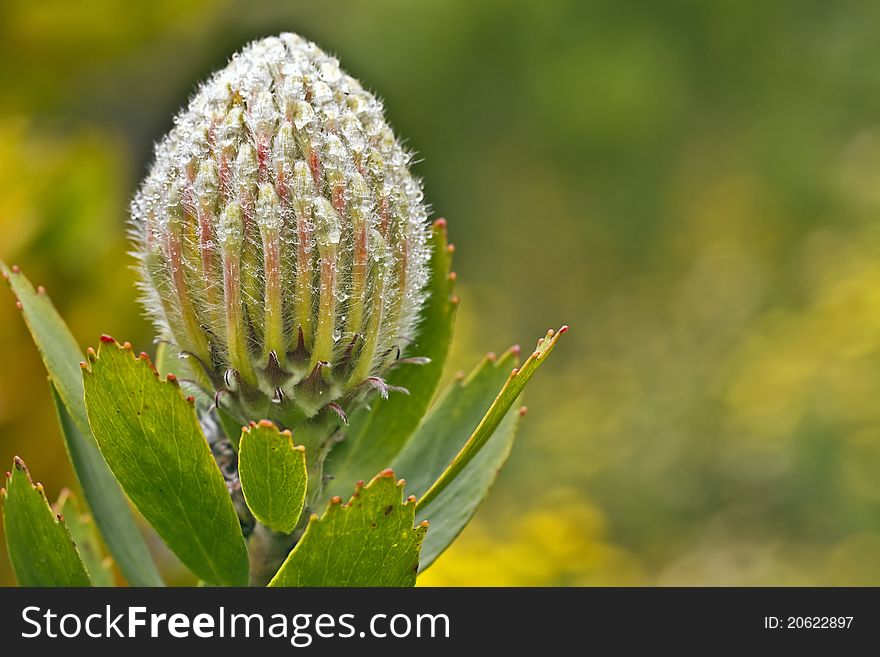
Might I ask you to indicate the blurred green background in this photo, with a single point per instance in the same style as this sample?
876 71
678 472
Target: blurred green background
693 186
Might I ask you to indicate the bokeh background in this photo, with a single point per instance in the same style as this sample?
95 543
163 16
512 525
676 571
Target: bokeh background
694 187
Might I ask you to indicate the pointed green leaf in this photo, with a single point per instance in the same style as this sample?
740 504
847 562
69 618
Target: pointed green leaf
40 548
273 475
152 441
85 536
57 346
107 502
453 508
370 541
377 434
454 456
442 435
451 421
503 402
61 356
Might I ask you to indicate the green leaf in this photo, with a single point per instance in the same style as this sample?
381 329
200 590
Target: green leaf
107 502
273 475
453 508
57 346
61 356
152 441
40 548
370 541
505 399
85 537
454 456
376 435
451 421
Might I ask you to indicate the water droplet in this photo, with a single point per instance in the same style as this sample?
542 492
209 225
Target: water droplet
321 92
303 114
330 71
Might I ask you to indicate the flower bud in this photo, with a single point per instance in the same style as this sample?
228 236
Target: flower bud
281 236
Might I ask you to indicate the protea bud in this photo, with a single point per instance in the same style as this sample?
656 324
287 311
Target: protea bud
281 236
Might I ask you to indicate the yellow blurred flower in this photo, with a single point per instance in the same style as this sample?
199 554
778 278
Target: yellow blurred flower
563 544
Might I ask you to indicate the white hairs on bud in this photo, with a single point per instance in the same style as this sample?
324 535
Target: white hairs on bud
280 185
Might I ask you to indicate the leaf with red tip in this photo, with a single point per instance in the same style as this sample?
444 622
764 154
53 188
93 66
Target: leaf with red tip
377 434
40 548
62 356
371 541
273 475
150 436
58 348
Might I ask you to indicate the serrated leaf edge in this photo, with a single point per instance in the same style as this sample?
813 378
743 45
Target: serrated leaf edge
93 356
19 465
143 357
138 570
335 506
